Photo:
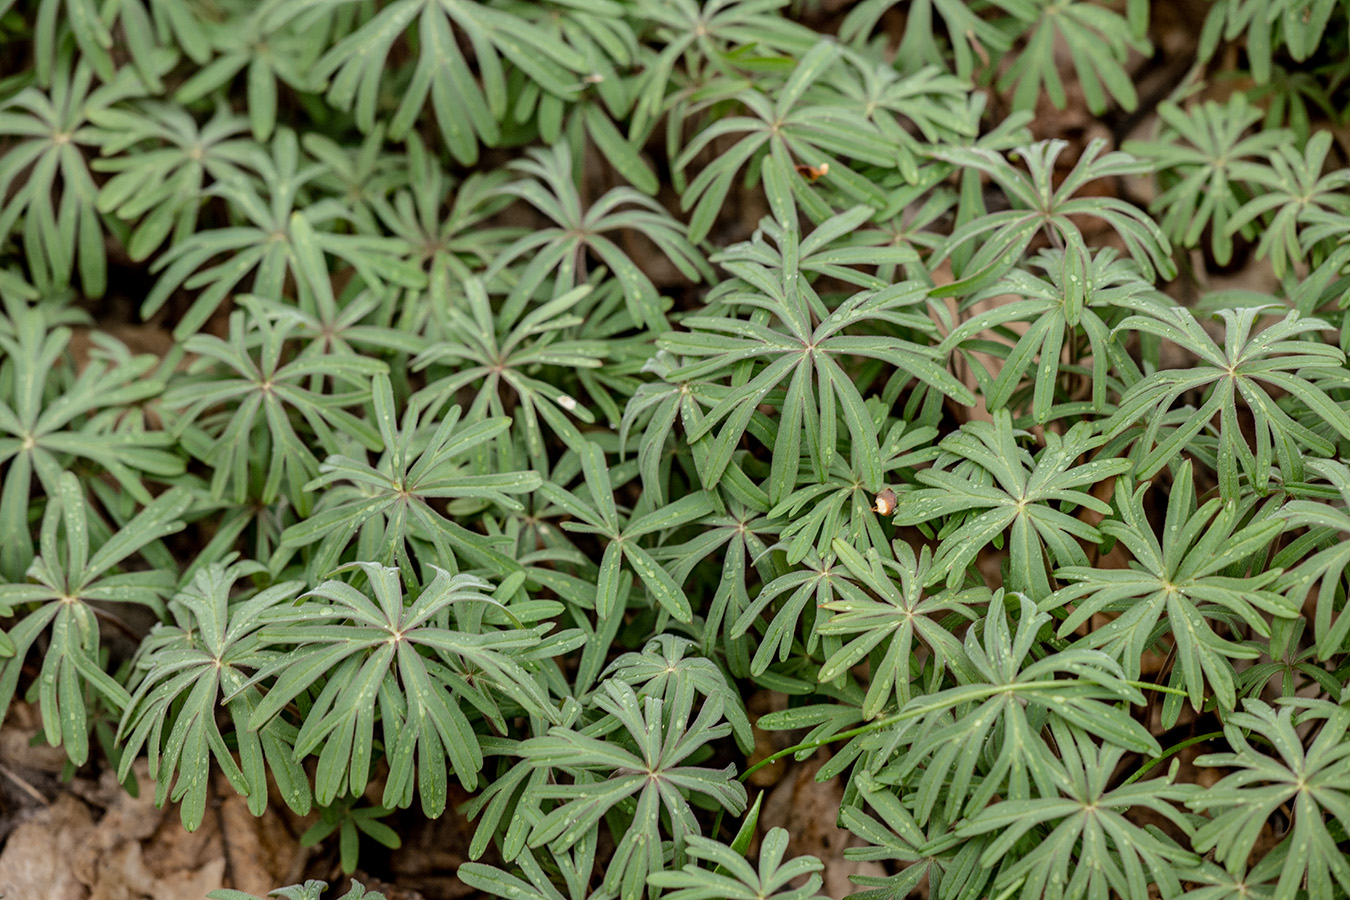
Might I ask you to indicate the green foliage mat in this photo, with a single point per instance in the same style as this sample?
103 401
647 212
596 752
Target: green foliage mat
489 437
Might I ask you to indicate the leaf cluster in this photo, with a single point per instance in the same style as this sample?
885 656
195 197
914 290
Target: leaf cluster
526 391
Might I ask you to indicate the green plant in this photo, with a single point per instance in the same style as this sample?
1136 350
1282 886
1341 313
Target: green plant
350 822
190 668
68 579
523 387
310 890
1307 774
734 878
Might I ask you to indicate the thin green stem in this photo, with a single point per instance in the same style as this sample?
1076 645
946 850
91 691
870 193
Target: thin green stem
811 745
1148 766
993 690
1151 686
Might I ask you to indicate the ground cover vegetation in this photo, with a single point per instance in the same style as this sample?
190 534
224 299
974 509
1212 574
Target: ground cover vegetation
417 400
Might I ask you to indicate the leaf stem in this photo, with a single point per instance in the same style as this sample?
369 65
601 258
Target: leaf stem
1151 686
1177 748
812 745
902 715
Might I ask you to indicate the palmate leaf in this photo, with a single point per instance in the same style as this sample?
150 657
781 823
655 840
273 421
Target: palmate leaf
359 327
1003 704
252 528
1294 97
833 250
71 576
1043 203
840 247
1111 289
561 251
601 517
284 235
45 177
51 416
551 559
808 586
128 27
699 41
930 101
388 506
970 194
244 43
887 624
1309 780
363 655
1327 566
970 37
1099 41
797 125
1294 665
811 350
666 668
741 538
1194 156
1290 192
183 671
591 120
1193 573
467 94
159 186
994 487
1087 846
1265 26
647 767
870 249
261 392
449 237
1248 366
652 412
608 388
503 357
1212 882
950 864
362 173
839 507
604 32
732 877
334 319
350 822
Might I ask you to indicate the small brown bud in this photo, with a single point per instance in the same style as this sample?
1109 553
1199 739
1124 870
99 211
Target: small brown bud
813 173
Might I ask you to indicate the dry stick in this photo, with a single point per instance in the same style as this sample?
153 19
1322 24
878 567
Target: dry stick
23 785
